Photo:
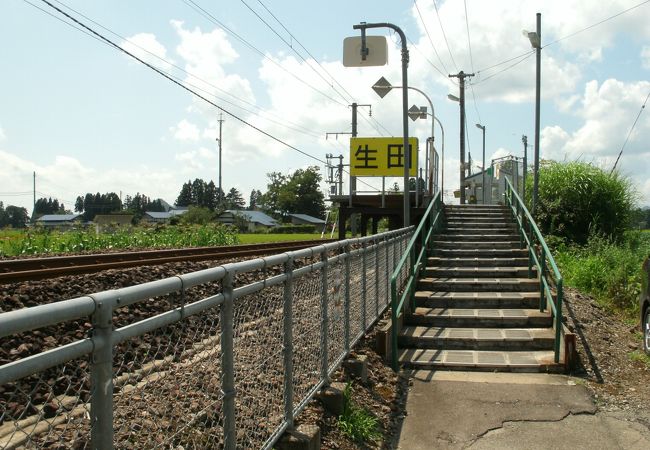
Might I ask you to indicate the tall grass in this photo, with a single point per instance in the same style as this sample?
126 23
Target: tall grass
577 200
42 242
609 271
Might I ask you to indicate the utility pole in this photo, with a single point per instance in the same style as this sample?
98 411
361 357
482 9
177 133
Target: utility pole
538 75
461 76
524 139
34 206
221 120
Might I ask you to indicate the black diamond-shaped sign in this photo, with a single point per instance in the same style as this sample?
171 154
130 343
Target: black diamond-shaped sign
382 87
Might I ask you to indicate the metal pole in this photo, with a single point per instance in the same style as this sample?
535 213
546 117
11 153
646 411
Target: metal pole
101 376
462 138
228 363
538 58
364 270
221 120
353 180
288 342
346 301
442 163
405 101
341 175
524 139
324 322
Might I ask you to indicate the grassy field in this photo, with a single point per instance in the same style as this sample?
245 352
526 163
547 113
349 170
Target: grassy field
263 238
609 271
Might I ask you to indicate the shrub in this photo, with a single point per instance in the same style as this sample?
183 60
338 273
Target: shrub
290 229
576 200
357 423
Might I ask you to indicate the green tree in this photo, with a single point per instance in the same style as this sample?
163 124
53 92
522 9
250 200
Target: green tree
254 199
234 199
197 215
15 216
577 199
185 196
269 201
302 193
79 204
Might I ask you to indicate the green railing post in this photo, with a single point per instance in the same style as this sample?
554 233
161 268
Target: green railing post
394 328
542 278
558 318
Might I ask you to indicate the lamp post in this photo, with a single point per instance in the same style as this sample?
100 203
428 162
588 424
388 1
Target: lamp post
535 39
383 87
442 158
482 128
405 125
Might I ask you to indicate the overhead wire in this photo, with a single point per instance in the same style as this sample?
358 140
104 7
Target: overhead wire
596 24
210 17
426 29
349 99
179 83
444 35
262 113
630 133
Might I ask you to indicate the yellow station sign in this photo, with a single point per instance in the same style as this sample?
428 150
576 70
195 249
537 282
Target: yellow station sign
381 157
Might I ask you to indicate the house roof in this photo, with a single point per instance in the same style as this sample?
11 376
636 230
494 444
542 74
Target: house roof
57 217
308 218
165 215
254 216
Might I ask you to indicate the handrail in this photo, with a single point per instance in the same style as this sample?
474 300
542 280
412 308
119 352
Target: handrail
423 234
529 233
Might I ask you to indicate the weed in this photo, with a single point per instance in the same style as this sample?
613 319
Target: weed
638 355
355 422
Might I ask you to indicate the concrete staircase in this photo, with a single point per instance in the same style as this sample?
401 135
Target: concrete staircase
476 308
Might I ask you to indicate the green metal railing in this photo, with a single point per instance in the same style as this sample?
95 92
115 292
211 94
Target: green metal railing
415 256
541 257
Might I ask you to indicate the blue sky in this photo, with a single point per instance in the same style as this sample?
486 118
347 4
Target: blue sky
86 118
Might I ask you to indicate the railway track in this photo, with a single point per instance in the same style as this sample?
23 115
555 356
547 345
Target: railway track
29 269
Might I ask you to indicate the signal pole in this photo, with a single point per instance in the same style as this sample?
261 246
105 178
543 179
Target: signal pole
524 139
461 76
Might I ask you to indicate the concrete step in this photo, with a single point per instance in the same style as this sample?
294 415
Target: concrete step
468 225
458 244
479 318
470 219
478 284
461 213
477 338
480 253
475 208
437 261
489 361
499 231
443 299
478 272
476 237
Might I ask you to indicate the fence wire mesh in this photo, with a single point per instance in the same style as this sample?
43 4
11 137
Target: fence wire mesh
168 366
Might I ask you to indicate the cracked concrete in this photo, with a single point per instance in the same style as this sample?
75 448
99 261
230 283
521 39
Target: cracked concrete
458 410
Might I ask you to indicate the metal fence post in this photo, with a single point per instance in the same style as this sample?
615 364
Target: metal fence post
288 342
388 273
376 280
101 376
324 323
346 300
364 269
228 362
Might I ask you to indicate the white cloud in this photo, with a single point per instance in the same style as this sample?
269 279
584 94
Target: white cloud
608 111
3 136
645 57
185 131
146 47
53 179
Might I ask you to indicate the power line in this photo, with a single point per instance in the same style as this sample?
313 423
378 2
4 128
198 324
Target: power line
444 35
262 113
309 54
426 29
529 52
178 83
630 132
596 24
524 58
469 41
200 10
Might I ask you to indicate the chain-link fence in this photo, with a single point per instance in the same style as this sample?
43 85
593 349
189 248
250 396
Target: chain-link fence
221 358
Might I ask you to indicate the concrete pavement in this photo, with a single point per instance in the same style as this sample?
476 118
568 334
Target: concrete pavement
454 410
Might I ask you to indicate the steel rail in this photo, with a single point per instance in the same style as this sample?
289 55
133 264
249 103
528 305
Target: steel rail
31 269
